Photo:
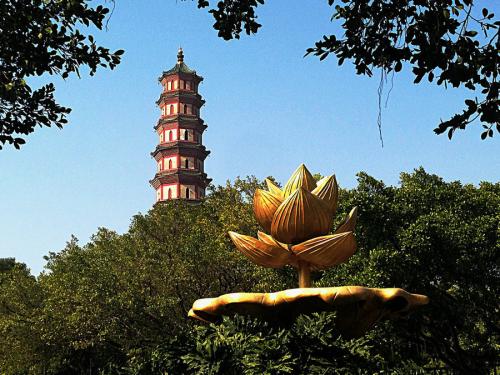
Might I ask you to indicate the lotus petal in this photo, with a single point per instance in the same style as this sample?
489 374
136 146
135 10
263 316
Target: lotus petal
326 251
259 252
300 178
265 205
328 191
266 238
274 189
349 222
300 217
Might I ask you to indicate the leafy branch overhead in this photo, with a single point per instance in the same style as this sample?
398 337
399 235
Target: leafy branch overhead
450 42
231 16
44 37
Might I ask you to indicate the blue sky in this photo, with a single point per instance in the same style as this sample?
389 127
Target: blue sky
267 107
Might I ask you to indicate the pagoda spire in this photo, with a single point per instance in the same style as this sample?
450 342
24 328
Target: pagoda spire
180 56
180 154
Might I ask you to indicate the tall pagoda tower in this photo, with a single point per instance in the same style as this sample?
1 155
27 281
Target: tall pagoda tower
180 154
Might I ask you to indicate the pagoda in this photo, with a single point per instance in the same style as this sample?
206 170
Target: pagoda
180 154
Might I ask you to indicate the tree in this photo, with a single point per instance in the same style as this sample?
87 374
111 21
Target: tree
426 235
41 37
120 294
440 239
450 42
6 264
119 303
21 347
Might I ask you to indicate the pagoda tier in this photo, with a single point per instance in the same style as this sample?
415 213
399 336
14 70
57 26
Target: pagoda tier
180 154
177 97
182 71
180 184
187 121
178 148
181 177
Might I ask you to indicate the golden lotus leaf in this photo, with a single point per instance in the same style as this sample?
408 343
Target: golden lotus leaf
301 178
265 205
327 190
358 308
301 216
326 251
260 252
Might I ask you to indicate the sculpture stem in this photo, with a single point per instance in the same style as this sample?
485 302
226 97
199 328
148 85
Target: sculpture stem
304 275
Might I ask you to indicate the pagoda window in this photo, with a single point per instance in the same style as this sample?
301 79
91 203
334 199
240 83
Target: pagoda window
188 85
186 135
170 136
187 193
169 164
186 163
169 193
169 85
176 84
161 137
185 108
171 109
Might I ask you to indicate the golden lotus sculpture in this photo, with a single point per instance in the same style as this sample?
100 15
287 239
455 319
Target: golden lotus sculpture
298 218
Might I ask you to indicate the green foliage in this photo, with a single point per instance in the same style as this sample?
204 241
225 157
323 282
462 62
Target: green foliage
244 346
451 42
439 239
6 264
21 344
44 37
118 304
231 16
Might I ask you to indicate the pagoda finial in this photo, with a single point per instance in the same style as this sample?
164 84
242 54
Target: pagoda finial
180 56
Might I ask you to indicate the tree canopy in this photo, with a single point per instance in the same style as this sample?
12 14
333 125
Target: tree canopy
44 37
451 43
118 304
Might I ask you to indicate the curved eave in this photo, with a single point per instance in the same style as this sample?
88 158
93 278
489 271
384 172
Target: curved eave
195 121
189 176
181 70
181 94
179 146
